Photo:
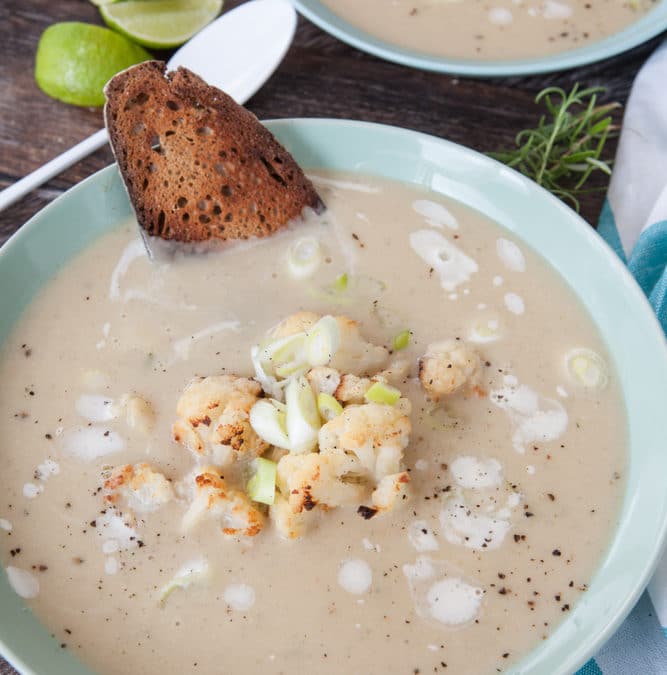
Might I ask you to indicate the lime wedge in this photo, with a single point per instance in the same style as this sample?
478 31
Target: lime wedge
160 24
75 60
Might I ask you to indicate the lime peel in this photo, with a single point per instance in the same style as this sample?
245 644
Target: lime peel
75 60
160 24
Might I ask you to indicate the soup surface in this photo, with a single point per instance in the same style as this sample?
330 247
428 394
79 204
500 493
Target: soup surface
496 30
515 486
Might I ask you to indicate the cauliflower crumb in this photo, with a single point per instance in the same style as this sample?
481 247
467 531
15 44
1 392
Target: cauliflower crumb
213 498
214 419
289 524
375 433
143 489
390 491
352 388
323 380
447 367
139 413
354 354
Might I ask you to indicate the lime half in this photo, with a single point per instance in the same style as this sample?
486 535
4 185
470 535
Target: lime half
75 60
160 24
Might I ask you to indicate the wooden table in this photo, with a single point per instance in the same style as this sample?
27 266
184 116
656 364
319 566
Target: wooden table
320 77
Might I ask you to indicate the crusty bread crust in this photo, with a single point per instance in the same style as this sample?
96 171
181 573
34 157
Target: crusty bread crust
197 165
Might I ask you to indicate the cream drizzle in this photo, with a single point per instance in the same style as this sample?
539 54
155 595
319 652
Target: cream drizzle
534 417
436 215
440 594
355 576
23 583
89 443
449 262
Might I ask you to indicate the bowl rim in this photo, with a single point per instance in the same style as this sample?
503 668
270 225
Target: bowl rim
647 27
315 128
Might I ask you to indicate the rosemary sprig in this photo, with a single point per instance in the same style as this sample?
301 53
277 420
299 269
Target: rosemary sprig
563 151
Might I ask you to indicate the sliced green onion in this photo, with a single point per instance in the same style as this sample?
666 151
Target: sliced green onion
280 358
328 406
262 486
269 423
303 418
486 331
340 283
323 341
587 368
304 257
382 393
190 573
402 340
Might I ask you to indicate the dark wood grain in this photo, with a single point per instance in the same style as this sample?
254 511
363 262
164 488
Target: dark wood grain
320 77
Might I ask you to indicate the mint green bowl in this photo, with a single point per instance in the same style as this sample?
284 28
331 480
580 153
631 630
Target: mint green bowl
648 26
609 293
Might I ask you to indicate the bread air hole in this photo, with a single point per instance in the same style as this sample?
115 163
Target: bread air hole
272 171
137 100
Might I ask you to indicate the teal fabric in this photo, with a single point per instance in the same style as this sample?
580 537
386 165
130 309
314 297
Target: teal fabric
591 668
639 647
648 260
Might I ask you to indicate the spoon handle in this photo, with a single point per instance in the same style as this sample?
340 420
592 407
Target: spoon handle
52 168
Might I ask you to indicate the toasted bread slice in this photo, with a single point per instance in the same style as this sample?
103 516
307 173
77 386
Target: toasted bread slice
197 165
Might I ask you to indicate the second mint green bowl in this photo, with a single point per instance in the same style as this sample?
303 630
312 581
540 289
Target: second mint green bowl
613 299
650 25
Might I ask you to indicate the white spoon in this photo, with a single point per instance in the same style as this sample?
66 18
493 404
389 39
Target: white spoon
238 52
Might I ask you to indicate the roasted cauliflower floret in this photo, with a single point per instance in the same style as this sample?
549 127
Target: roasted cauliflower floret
352 388
313 479
141 488
375 434
213 499
290 525
323 379
391 491
447 367
295 323
354 354
214 419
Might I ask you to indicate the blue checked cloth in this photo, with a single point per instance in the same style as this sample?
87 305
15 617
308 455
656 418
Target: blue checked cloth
634 224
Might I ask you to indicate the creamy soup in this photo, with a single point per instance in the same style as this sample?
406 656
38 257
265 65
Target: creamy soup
515 484
500 29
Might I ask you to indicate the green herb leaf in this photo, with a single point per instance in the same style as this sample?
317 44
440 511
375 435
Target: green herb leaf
566 146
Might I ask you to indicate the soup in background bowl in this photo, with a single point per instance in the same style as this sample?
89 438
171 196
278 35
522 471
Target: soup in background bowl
480 221
489 39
